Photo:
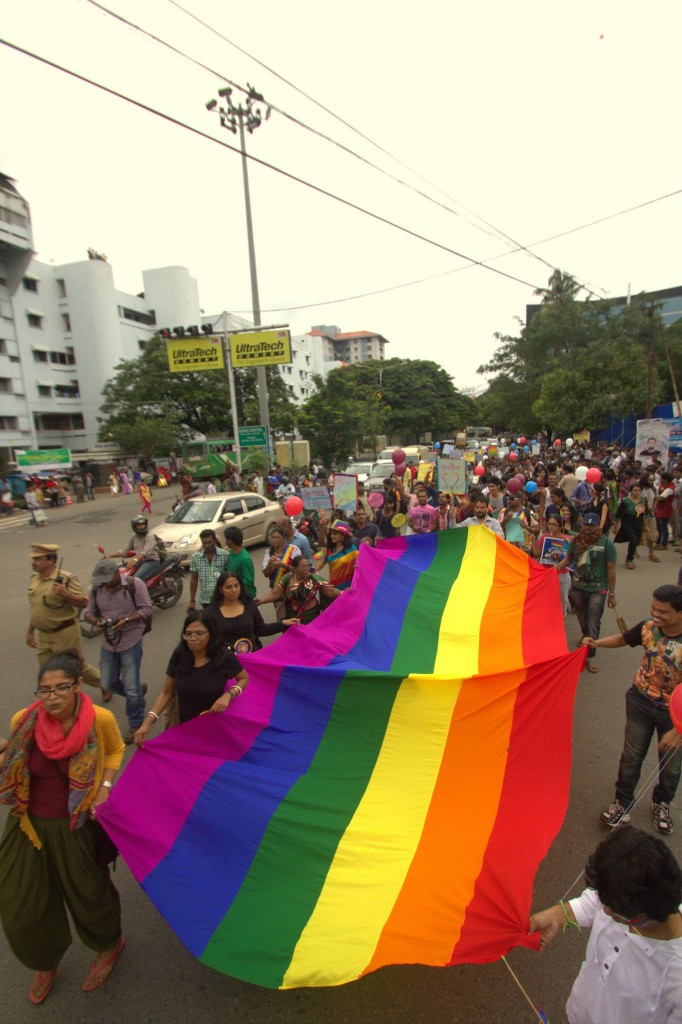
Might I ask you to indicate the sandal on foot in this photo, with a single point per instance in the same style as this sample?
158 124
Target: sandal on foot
630 565
654 558
591 667
102 966
106 696
41 986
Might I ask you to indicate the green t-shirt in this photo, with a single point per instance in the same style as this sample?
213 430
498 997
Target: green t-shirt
591 566
240 563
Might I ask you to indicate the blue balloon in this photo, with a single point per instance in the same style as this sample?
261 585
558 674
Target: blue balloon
513 445
437 445
526 448
531 487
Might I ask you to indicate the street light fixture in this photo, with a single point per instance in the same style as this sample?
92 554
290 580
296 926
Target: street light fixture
249 116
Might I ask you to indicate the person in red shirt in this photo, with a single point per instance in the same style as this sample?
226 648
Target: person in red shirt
663 509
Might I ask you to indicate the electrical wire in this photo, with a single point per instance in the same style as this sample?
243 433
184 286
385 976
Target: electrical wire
501 235
302 124
458 270
264 163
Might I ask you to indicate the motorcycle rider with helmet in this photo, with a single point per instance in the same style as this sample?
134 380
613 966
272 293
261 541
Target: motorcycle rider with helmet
146 552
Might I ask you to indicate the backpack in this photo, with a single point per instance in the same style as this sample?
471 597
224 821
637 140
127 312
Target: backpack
161 548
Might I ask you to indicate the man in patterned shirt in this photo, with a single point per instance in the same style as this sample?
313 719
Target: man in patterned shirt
647 707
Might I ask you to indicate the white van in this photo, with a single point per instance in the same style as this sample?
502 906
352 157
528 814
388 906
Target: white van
413 453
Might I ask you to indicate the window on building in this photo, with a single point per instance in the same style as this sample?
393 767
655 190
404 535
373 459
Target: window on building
136 316
34 320
141 344
30 284
63 358
5 385
39 356
3 347
9 423
45 390
66 323
14 359
67 390
61 288
70 357
77 421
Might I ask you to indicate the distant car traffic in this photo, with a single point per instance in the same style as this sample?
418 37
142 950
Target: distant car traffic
379 472
360 469
255 517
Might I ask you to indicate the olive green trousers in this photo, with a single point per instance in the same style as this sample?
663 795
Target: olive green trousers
37 887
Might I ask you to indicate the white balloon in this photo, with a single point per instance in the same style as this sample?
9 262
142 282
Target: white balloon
581 472
569 442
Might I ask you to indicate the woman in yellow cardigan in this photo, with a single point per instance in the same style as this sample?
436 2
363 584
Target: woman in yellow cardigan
57 767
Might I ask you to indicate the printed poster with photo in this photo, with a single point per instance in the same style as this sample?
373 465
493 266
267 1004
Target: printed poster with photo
554 550
653 440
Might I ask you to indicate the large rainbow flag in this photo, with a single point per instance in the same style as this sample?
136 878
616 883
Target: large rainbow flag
385 788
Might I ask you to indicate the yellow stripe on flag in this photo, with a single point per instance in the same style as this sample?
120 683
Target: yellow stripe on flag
376 850
460 627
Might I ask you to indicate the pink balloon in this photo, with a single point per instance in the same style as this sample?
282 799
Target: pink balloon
375 498
513 456
398 456
513 486
521 477
593 475
401 469
293 505
522 440
479 470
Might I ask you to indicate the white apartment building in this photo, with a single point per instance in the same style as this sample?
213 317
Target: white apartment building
64 329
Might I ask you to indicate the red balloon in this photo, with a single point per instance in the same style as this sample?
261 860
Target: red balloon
522 440
676 708
513 486
593 475
293 506
398 456
479 470
513 456
401 469
557 443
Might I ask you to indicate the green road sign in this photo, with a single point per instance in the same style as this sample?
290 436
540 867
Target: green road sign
48 458
250 437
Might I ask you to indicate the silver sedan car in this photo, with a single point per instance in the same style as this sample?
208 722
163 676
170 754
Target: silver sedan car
255 517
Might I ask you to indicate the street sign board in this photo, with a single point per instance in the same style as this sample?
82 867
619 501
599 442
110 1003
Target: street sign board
250 437
33 460
260 348
192 354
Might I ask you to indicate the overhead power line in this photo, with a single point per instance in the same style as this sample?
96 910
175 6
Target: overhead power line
496 232
263 163
458 270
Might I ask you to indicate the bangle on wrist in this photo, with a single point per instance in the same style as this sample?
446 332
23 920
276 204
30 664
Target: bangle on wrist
237 688
152 714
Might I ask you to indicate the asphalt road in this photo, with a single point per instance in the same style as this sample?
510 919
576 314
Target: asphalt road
157 980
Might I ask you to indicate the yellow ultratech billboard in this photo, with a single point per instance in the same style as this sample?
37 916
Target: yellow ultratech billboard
190 354
260 348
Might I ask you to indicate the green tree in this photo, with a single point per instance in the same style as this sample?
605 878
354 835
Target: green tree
199 403
146 436
405 398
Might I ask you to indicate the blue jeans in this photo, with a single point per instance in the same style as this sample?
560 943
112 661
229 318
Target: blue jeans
120 673
662 527
148 568
642 719
589 608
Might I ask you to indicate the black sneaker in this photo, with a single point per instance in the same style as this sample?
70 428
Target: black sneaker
663 823
615 815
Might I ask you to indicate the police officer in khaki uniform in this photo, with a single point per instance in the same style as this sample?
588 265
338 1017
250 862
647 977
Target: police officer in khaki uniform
53 596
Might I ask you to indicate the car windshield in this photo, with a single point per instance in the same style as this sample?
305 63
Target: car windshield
195 512
383 469
359 467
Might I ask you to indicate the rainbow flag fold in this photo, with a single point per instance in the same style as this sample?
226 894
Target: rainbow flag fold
385 788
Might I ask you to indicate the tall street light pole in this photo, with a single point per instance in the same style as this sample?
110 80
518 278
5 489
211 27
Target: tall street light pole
237 118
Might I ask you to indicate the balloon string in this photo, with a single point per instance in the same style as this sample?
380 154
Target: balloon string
646 785
534 1008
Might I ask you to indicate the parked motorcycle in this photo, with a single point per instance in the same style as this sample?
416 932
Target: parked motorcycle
165 588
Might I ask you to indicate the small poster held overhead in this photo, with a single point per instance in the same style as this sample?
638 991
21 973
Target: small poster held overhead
345 492
452 476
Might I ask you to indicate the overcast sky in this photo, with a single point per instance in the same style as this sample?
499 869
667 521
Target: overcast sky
536 117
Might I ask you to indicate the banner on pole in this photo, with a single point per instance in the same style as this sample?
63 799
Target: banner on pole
187 355
260 348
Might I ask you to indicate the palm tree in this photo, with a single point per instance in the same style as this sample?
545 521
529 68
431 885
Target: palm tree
561 288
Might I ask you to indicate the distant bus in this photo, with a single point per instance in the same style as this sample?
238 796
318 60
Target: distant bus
479 433
204 459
